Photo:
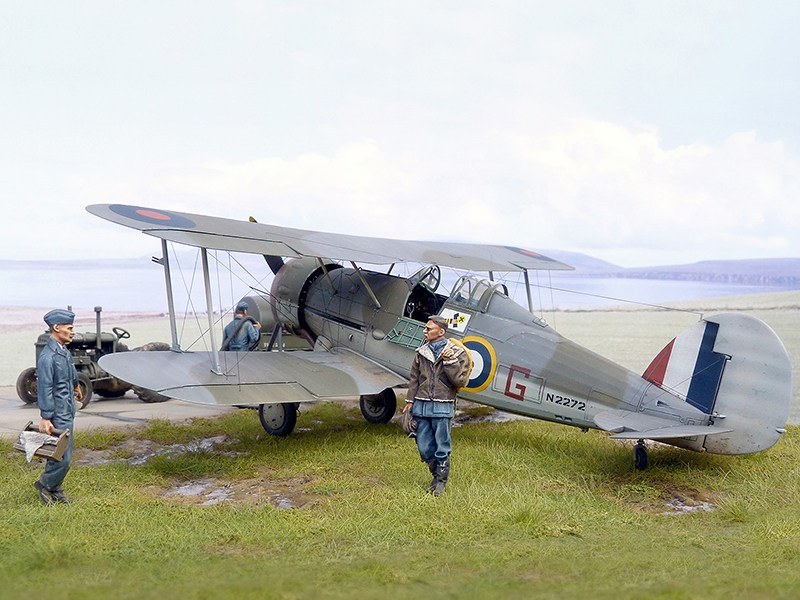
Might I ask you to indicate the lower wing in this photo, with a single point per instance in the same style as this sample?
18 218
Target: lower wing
253 377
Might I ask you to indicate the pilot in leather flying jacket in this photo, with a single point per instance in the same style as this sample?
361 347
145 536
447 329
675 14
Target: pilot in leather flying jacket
439 370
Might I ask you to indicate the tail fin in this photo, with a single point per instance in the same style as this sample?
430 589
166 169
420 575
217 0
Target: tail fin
734 367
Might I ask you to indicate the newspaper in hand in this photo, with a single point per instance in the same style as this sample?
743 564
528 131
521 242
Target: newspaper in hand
33 440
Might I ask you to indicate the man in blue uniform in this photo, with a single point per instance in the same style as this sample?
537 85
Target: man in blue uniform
56 390
241 333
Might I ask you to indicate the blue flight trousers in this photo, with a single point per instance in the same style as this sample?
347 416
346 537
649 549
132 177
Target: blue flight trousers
433 429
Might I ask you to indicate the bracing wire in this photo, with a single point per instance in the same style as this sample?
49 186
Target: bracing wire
190 302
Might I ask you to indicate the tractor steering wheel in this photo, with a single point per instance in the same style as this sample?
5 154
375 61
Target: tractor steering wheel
120 333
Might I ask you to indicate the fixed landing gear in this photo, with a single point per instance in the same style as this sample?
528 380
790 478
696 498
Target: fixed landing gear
278 419
640 456
378 408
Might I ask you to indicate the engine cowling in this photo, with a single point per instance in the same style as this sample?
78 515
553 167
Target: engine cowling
290 289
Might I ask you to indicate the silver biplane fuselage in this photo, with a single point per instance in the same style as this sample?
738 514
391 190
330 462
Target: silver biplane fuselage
522 365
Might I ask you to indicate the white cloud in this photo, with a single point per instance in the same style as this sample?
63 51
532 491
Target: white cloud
618 190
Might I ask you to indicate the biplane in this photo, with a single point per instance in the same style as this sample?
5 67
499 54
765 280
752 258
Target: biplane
722 386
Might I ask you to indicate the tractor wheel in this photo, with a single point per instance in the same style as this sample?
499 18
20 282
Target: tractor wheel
111 393
26 385
153 347
278 419
144 394
149 396
378 408
85 384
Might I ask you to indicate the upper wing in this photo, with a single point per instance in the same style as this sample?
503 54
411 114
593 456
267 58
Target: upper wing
252 377
217 233
627 425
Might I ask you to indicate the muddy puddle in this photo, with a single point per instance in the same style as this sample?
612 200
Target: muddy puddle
138 452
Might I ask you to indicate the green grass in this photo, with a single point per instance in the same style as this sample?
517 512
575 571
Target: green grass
532 510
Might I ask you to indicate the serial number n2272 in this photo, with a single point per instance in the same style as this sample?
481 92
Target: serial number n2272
565 401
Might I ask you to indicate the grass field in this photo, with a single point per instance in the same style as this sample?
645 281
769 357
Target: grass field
532 510
338 509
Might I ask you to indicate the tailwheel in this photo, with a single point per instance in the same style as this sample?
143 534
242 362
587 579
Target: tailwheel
378 408
278 419
640 456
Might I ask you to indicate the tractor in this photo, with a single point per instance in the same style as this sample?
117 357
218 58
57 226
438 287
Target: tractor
86 349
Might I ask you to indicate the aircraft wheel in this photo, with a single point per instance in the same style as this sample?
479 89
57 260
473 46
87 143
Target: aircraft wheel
26 385
85 384
378 408
640 456
278 419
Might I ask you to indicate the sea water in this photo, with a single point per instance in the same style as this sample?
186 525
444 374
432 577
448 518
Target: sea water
140 286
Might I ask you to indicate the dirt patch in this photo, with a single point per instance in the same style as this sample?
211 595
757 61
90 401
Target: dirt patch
280 493
472 412
683 501
669 500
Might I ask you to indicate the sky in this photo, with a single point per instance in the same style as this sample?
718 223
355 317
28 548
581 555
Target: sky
642 133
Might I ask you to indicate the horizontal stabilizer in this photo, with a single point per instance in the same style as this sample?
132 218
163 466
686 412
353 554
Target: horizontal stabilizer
253 377
217 233
625 425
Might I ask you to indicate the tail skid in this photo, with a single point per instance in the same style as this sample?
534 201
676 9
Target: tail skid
734 368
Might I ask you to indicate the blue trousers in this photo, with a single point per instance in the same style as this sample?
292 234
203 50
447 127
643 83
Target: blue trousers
433 429
56 470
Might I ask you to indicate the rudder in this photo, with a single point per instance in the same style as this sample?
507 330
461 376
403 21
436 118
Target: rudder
732 366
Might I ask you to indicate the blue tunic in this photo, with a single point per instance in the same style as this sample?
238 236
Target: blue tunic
244 338
55 395
56 383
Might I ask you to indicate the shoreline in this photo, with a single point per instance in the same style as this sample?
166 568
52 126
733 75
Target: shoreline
30 316
13 318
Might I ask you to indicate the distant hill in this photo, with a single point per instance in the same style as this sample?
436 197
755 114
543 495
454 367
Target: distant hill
756 271
583 263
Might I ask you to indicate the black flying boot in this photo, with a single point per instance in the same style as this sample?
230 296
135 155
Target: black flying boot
440 479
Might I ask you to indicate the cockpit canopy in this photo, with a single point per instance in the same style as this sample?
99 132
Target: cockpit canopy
476 293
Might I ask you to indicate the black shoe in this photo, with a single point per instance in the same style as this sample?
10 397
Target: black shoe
45 494
58 496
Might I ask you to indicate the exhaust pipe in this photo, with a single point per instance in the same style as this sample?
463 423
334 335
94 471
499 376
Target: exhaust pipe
97 311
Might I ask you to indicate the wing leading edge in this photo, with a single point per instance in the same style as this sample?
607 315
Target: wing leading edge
217 233
254 377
